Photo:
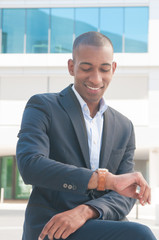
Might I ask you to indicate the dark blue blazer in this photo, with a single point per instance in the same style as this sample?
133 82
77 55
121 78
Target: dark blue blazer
53 156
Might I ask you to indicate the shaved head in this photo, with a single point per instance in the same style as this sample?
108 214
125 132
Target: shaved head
92 39
92 67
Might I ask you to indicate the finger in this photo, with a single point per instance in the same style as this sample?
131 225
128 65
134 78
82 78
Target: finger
147 195
45 230
143 200
52 232
142 190
67 233
144 193
142 184
58 234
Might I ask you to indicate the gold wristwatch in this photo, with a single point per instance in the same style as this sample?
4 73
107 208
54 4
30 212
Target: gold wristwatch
102 173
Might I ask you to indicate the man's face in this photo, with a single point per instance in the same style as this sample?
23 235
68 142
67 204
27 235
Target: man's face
92 69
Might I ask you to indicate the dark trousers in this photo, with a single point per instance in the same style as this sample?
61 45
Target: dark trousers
101 230
112 230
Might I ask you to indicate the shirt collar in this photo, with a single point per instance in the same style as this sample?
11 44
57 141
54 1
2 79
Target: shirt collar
103 106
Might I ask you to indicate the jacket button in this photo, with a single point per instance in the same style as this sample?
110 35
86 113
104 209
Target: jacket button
74 187
69 186
65 185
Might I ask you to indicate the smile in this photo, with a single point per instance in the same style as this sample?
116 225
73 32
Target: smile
93 88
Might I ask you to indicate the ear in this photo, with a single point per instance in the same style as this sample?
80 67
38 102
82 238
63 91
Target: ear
71 67
114 65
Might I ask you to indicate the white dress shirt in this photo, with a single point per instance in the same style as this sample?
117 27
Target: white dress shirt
94 128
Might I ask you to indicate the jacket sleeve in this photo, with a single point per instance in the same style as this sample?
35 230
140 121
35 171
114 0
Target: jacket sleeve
33 149
113 205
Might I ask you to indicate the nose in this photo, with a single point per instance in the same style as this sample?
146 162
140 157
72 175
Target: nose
95 78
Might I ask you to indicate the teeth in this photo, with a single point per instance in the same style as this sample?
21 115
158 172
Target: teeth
92 88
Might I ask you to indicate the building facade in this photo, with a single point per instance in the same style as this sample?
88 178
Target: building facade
35 43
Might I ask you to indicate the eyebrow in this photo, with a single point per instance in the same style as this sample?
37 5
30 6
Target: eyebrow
107 64
83 63
90 64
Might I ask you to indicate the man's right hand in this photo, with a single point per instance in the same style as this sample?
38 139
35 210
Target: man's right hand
126 185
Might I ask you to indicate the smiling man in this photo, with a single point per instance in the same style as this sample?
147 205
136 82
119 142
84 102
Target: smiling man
77 152
92 67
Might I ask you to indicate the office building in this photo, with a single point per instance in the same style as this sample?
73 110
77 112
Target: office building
36 42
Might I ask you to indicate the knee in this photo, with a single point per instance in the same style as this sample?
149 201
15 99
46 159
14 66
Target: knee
142 232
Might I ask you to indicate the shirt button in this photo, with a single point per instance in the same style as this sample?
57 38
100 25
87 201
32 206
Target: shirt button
65 185
85 109
69 186
94 142
93 167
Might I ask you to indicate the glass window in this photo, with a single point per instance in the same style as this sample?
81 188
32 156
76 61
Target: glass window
13 28
111 25
6 176
0 17
136 29
37 30
62 24
86 19
22 190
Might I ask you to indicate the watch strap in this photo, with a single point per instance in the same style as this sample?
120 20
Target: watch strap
102 173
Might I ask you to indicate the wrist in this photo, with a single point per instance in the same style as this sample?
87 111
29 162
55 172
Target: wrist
88 212
93 182
110 181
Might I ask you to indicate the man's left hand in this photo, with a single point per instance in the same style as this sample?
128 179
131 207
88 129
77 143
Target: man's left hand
66 223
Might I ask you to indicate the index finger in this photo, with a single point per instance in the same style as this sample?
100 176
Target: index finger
141 182
45 230
146 198
145 192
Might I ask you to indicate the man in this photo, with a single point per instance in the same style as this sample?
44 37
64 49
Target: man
65 140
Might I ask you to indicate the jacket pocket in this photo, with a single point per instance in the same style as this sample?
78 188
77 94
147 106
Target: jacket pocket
116 157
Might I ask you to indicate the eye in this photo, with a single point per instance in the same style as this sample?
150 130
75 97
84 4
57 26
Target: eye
106 67
86 69
105 70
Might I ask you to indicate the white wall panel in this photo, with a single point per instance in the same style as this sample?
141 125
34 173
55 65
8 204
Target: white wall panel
72 3
128 87
135 110
11 112
21 88
8 140
154 98
56 83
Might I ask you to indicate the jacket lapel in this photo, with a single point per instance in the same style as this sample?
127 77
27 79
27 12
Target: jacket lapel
107 138
71 105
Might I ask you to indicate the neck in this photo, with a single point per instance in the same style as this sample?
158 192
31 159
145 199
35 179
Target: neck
93 108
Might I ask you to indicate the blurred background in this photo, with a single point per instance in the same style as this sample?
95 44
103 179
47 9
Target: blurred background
35 43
